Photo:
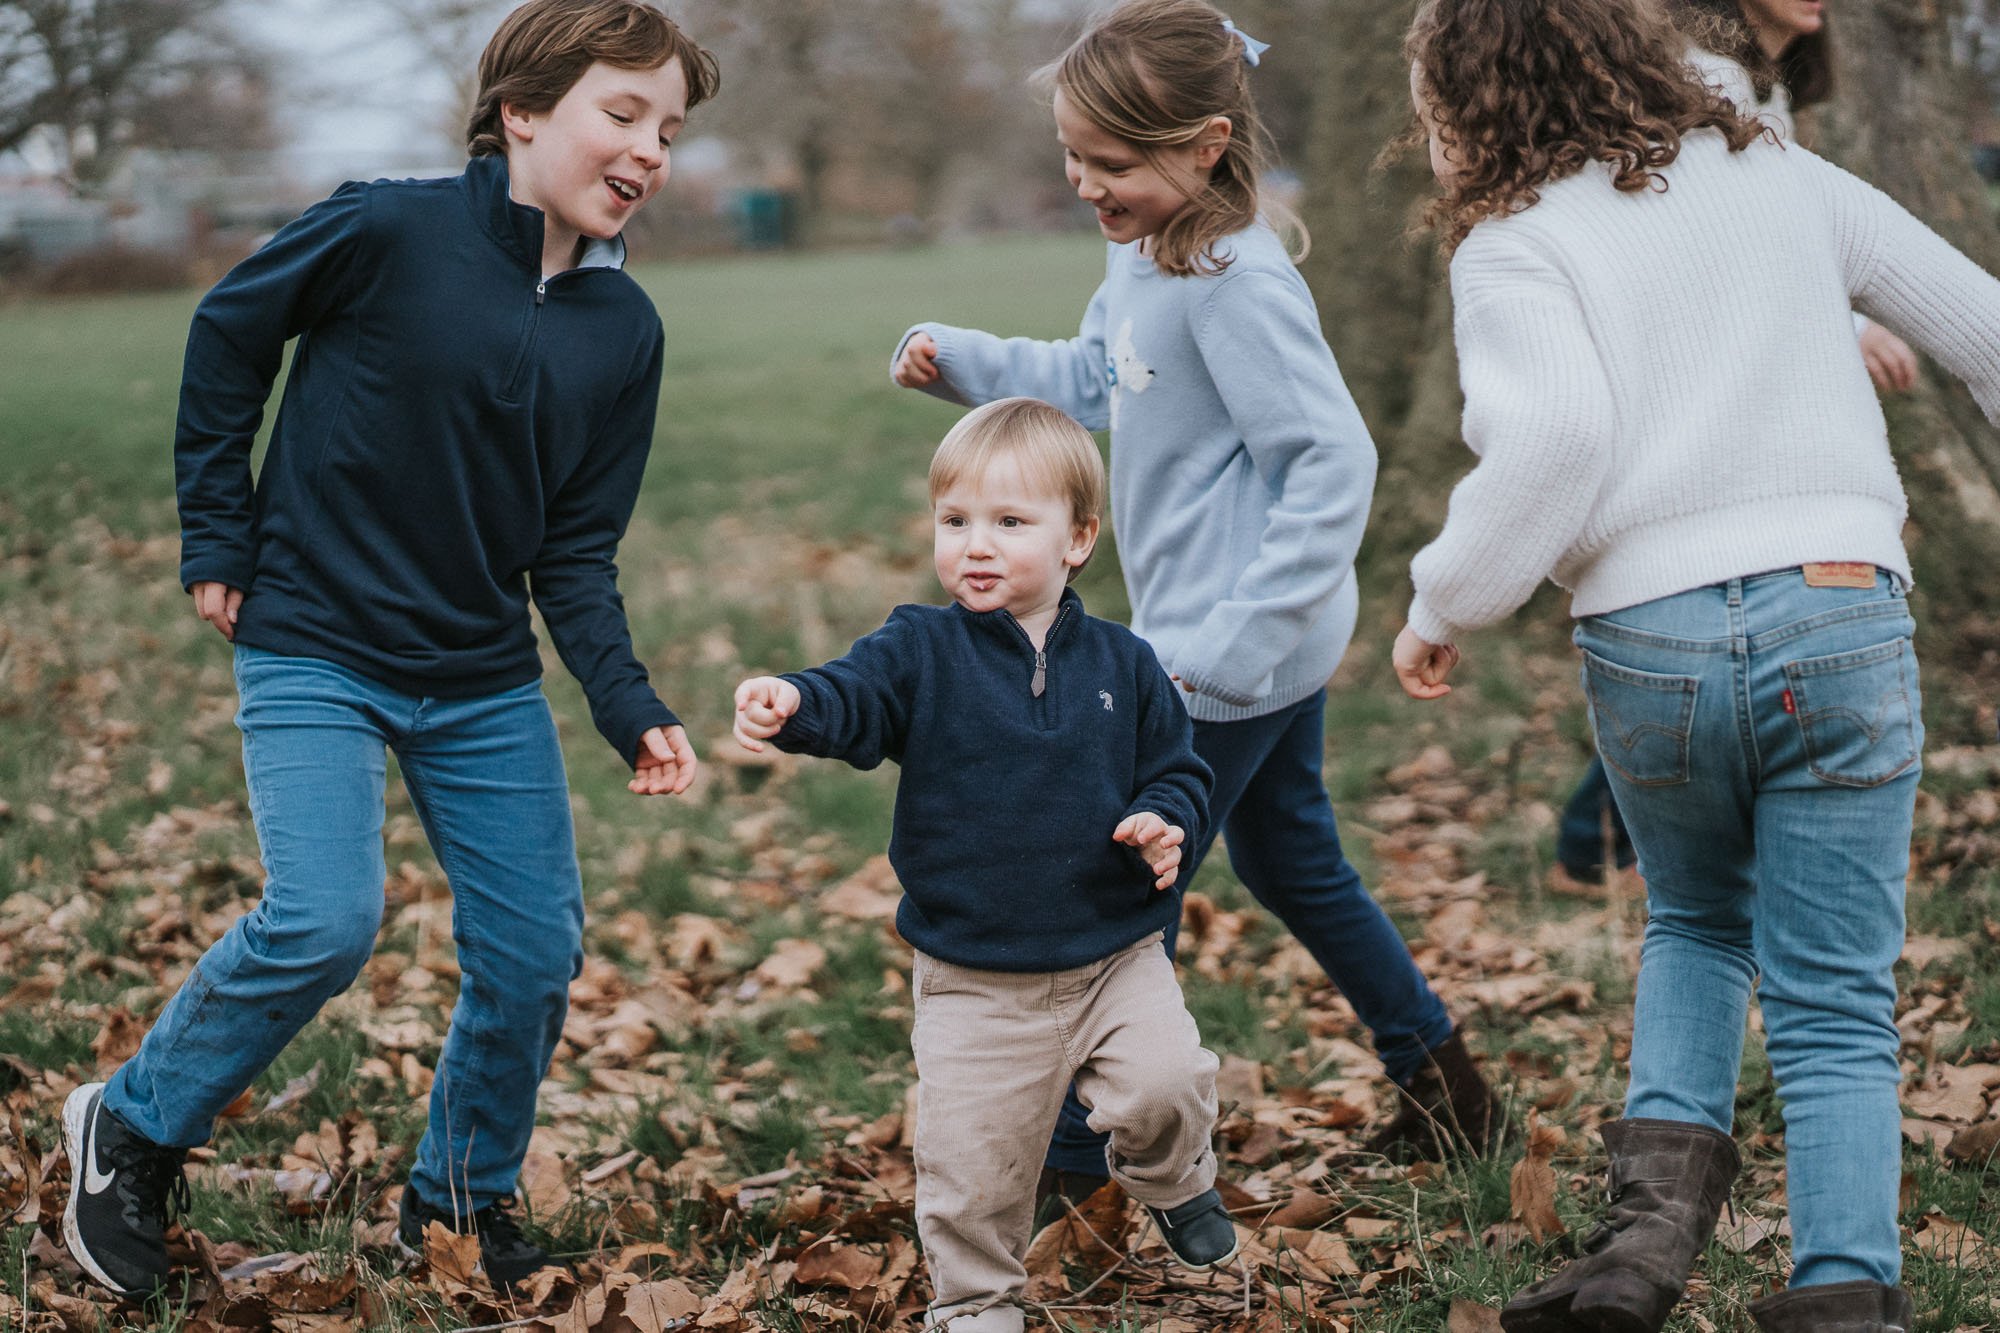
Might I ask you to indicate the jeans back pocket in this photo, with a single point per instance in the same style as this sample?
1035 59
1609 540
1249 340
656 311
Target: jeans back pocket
1643 720
1857 712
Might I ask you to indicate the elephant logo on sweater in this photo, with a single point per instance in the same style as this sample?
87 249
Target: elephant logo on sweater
1128 373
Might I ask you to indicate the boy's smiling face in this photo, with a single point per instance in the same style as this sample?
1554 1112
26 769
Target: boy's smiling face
1003 543
590 161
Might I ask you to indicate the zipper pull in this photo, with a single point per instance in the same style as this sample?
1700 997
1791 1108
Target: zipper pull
1041 680
541 290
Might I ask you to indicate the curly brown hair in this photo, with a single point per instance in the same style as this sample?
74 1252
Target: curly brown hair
1524 92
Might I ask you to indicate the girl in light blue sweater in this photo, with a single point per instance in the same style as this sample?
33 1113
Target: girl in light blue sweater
1241 475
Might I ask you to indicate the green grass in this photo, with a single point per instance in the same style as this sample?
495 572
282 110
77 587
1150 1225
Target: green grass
781 519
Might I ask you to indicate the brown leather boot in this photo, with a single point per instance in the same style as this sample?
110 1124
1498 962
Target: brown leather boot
1446 1108
1668 1183
1838 1307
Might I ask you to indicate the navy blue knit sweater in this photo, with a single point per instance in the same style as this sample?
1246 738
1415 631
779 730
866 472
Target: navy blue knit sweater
454 433
1008 797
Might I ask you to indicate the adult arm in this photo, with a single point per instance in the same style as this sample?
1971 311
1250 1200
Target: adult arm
574 577
1540 415
235 345
1260 341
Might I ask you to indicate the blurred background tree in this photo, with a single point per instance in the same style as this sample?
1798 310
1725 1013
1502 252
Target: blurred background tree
92 79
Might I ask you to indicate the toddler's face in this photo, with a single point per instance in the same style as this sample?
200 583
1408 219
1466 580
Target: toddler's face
1002 543
1134 198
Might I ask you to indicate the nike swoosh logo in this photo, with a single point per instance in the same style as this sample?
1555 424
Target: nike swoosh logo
94 1181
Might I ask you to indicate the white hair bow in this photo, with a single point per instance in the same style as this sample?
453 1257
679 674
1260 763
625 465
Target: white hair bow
1253 50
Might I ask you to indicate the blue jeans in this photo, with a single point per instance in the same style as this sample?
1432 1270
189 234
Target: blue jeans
1284 844
1580 841
1763 741
486 778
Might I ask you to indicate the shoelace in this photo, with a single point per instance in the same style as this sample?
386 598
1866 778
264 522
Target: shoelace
159 1179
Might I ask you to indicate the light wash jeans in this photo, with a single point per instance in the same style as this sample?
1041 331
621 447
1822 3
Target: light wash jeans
486 778
1763 740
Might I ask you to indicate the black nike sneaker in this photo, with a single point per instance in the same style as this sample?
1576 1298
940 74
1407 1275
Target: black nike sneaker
122 1188
505 1254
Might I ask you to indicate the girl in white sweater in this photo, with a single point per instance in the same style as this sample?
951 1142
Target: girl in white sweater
1723 506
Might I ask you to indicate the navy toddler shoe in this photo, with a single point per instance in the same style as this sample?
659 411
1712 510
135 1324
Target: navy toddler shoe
1198 1233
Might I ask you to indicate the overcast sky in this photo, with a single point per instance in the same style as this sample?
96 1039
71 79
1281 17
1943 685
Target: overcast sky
353 98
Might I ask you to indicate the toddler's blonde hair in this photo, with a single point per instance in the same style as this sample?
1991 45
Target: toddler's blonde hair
1055 454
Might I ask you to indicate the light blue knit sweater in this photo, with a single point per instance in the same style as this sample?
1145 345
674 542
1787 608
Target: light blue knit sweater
1241 472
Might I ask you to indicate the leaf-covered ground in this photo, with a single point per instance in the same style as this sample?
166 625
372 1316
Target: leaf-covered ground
724 1134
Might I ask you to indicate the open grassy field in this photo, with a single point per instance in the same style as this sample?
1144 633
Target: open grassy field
725 1123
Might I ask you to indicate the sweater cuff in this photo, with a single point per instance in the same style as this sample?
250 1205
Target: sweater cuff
225 567
801 732
1427 625
1209 679
629 734
941 387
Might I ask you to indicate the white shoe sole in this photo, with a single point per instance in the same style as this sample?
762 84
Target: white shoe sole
76 1137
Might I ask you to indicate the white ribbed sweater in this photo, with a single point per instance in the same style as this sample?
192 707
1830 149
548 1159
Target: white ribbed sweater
1664 390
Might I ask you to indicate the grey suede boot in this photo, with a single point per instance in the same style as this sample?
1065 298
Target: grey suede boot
1838 1307
1668 1183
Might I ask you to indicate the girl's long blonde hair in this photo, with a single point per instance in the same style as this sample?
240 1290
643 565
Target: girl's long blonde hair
1154 73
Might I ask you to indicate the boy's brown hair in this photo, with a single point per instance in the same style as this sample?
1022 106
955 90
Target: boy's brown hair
1524 92
1154 73
1055 453
543 48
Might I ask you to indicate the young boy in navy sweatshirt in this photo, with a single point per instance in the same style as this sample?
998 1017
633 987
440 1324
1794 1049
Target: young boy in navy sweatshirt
464 427
1049 783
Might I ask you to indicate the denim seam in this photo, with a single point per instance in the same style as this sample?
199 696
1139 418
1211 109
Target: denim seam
1741 702
1799 672
1898 609
1645 638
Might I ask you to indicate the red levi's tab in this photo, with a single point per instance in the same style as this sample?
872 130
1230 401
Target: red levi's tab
1791 704
1839 574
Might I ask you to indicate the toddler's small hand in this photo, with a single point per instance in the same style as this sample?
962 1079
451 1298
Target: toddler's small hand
763 704
665 765
1421 667
1155 840
916 366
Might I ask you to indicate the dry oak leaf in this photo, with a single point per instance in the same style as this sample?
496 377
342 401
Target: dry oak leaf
1532 1187
1471 1317
1975 1144
452 1257
650 1307
1951 1092
830 1264
792 964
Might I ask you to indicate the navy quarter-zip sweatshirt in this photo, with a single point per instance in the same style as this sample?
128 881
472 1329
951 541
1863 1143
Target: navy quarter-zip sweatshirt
455 434
1009 792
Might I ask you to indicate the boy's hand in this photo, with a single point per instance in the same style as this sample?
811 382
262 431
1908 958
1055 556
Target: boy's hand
1421 667
916 366
665 765
1157 841
1891 363
217 603
763 703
